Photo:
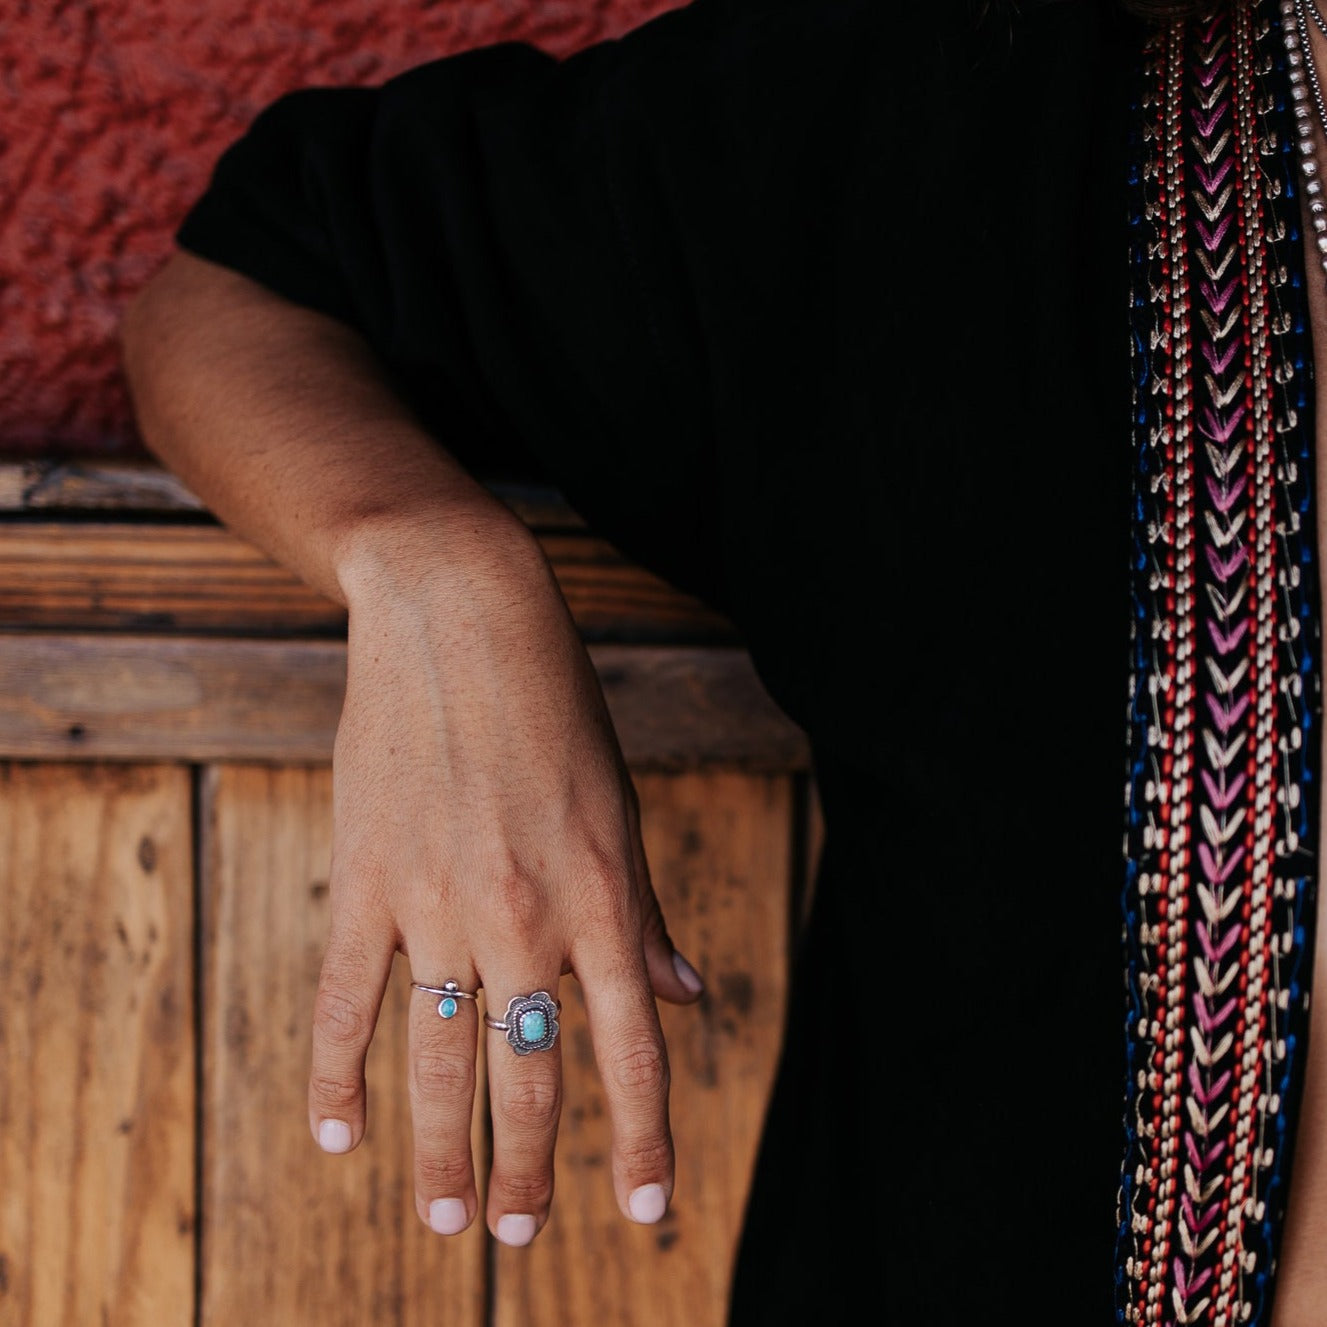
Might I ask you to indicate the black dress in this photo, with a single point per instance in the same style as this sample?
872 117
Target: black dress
818 308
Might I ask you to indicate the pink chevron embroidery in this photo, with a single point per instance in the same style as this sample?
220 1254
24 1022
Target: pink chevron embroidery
1203 1160
1209 1022
1216 952
1205 124
1212 69
1227 716
1223 498
1210 181
1187 1288
1214 239
1218 299
1221 364
1223 570
1221 797
1218 429
1225 643
1193 1220
1218 872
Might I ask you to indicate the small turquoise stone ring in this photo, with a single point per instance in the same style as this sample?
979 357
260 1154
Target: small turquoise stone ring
450 993
531 1023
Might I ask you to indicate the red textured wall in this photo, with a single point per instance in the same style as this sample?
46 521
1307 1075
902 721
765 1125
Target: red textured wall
111 115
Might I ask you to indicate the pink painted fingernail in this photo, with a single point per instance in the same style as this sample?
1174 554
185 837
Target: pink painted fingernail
687 975
647 1204
334 1136
447 1216
516 1230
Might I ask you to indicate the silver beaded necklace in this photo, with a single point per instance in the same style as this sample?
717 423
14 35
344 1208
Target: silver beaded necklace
1306 93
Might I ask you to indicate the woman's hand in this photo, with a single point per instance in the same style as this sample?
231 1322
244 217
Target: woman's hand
486 826
484 822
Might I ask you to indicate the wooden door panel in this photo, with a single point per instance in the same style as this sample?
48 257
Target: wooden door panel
719 845
97 1057
290 1234
155 1163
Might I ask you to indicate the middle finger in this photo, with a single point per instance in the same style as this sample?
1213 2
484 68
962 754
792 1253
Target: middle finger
525 1100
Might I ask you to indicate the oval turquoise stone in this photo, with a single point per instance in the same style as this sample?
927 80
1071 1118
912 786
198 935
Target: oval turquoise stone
447 1006
534 1026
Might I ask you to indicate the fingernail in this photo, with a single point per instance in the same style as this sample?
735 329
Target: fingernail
334 1136
647 1204
516 1230
447 1216
687 975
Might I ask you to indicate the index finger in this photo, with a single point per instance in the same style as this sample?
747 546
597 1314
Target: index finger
356 965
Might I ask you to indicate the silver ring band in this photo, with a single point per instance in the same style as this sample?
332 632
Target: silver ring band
531 1023
450 992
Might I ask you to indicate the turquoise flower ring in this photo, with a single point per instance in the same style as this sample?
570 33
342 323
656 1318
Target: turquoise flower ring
450 992
531 1023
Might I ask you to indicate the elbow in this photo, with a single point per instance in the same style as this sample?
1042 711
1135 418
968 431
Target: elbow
140 334
160 348
174 301
136 313
165 343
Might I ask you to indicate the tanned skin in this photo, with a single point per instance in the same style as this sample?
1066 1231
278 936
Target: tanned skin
485 824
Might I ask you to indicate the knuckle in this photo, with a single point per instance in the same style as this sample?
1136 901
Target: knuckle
341 1019
521 904
608 900
441 1176
528 1102
363 880
525 1191
603 873
647 1156
434 1075
640 1068
332 1092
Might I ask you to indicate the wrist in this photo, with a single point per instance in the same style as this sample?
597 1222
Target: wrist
386 553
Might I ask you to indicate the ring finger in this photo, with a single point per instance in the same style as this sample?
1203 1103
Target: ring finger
443 1026
525 1103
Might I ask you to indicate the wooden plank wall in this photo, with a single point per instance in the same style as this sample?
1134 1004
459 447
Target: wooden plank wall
167 703
97 1092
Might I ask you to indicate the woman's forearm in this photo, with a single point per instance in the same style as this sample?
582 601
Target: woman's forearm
280 421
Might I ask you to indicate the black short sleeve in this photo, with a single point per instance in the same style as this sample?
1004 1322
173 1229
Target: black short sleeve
555 257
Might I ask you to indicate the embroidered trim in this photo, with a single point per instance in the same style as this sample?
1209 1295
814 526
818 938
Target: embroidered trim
1221 783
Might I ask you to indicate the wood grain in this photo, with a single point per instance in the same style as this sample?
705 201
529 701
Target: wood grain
166 577
69 484
291 1235
127 697
195 576
719 845
91 485
97 1097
